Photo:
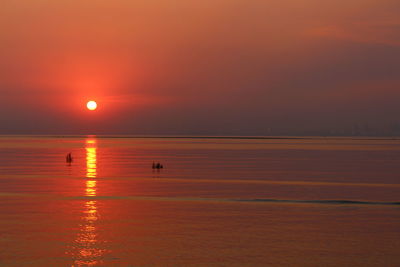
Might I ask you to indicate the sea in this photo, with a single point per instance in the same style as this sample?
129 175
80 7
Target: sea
217 201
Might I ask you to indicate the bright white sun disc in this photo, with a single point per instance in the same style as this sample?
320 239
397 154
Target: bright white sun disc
91 105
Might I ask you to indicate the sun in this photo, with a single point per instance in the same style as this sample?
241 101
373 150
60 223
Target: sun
91 105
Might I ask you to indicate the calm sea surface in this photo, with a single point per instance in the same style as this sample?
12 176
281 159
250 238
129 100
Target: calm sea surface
217 202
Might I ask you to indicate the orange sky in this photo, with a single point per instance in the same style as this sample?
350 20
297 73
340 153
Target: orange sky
200 67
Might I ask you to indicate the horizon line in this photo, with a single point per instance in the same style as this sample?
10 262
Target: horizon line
206 136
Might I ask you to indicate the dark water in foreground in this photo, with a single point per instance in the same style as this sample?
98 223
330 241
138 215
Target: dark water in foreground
218 202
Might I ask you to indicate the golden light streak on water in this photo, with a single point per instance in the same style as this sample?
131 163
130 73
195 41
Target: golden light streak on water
91 158
87 246
90 188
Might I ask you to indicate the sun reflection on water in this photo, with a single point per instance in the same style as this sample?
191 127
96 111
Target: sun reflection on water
87 247
90 188
91 158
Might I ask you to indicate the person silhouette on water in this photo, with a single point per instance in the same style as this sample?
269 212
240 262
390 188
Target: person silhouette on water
69 158
157 165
